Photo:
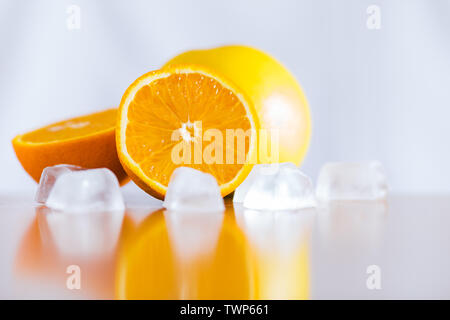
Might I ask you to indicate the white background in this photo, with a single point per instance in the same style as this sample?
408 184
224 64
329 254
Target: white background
374 94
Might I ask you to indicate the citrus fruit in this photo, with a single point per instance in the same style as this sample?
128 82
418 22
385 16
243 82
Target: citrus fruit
279 100
87 141
183 116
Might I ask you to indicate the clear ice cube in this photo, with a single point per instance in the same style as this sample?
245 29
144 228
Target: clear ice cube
351 181
276 187
258 169
86 191
191 190
48 179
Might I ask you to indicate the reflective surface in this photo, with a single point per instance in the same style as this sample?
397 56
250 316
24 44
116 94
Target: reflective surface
364 250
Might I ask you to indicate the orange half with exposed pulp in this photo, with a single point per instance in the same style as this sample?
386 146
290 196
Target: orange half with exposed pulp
185 115
87 141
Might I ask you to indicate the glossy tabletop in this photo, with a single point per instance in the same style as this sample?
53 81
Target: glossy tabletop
397 249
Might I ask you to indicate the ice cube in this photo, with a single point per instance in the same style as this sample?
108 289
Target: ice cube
242 190
86 191
48 179
351 181
191 190
276 187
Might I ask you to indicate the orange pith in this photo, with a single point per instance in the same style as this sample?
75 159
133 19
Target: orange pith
165 108
86 141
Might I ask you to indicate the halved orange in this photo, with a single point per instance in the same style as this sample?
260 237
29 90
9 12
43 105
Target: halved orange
277 96
175 117
87 141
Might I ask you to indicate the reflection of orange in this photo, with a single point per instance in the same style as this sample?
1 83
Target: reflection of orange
30 252
38 256
146 267
166 114
224 273
149 268
282 276
87 141
279 248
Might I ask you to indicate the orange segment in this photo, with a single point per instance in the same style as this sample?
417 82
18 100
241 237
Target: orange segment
86 141
181 117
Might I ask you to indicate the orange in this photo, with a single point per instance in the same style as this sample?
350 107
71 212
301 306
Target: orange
182 116
87 141
282 107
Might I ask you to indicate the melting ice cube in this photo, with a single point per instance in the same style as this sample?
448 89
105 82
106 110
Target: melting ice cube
351 181
259 169
48 179
191 190
86 191
276 187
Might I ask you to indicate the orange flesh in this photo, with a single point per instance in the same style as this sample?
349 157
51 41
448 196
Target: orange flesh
175 103
74 128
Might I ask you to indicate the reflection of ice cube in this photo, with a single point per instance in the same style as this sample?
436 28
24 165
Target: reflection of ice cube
276 187
351 181
86 191
280 241
48 179
191 190
276 232
356 225
193 235
85 236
